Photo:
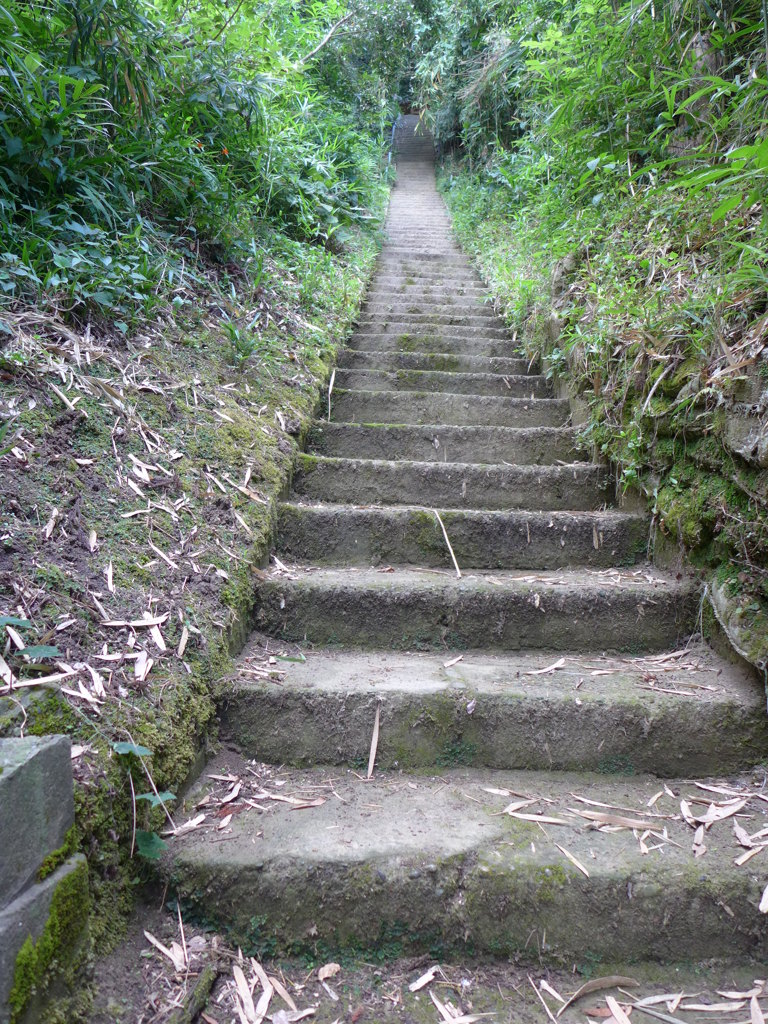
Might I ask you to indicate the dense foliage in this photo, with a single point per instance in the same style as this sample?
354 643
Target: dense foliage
145 146
612 184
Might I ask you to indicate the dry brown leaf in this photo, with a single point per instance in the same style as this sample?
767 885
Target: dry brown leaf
596 985
328 971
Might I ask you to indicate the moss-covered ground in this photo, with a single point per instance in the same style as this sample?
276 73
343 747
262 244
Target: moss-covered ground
141 484
637 315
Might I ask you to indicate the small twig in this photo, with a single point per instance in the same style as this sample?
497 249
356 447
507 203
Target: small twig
133 809
374 742
541 999
448 543
330 392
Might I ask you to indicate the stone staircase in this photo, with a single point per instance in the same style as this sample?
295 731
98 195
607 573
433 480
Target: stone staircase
543 727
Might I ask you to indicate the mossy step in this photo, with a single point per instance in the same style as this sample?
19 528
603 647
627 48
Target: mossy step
359 359
410 305
456 410
453 382
446 341
573 487
440 443
344 534
589 714
633 610
389 266
433 864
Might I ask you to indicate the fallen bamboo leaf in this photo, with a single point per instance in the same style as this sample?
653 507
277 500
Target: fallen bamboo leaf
666 997
374 742
453 661
612 819
51 524
572 859
545 671
516 805
182 643
714 1007
616 1011
244 992
755 1013
158 620
285 995
424 979
331 994
232 794
93 542
290 1016
142 666
176 957
188 826
763 908
743 836
542 818
597 985
157 636
552 991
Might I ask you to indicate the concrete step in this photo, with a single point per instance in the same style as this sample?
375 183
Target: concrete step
631 610
468 333
447 341
450 382
682 713
482 445
348 535
432 861
470 285
403 307
578 486
455 410
401 320
359 359
432 293
390 265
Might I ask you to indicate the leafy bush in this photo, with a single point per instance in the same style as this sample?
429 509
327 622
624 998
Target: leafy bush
136 147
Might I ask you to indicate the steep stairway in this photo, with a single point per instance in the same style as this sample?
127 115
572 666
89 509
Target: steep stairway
558 766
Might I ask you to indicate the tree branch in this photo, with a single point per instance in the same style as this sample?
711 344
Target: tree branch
326 38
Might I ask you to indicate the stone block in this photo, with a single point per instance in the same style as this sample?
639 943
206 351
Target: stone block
36 807
44 943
